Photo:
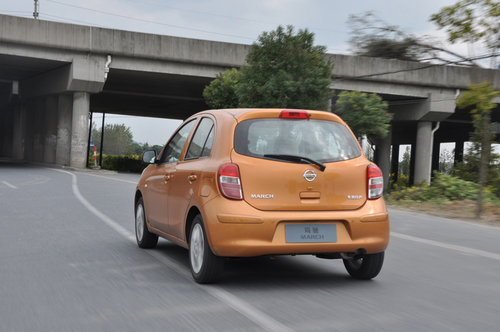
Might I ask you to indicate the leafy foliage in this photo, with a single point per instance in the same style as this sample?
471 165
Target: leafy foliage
471 21
117 138
391 49
284 70
443 187
404 165
446 162
221 92
469 169
480 98
139 148
128 163
371 36
365 113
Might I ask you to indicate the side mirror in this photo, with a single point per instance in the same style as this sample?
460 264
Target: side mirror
149 157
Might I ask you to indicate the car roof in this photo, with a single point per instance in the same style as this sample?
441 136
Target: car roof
241 114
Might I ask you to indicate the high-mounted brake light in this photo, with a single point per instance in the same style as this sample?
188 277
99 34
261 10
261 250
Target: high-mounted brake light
375 182
228 178
286 114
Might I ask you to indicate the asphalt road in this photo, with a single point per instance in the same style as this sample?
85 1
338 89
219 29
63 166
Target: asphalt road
69 262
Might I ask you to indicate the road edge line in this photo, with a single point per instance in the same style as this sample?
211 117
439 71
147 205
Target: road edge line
455 247
246 309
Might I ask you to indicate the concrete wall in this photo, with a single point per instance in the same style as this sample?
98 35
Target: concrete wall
86 39
410 73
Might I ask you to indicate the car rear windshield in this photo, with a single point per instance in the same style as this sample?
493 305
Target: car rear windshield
321 140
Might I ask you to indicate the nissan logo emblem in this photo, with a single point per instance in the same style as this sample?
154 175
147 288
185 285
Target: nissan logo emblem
309 175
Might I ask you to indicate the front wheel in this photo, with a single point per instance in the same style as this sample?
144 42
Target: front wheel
145 239
366 266
205 266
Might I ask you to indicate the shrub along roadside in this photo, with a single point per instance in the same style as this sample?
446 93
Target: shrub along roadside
127 163
444 187
447 196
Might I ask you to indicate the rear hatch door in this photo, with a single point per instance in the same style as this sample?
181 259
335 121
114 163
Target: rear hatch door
274 177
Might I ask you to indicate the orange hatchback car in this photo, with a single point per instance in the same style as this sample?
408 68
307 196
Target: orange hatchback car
252 182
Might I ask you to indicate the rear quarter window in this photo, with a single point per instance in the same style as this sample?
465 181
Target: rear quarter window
321 140
202 141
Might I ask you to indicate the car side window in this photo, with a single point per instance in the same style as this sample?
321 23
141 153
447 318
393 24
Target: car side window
201 144
173 150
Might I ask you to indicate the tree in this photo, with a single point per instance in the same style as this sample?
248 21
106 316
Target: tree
404 49
468 169
118 139
480 98
285 70
446 162
221 92
471 21
365 113
371 36
404 165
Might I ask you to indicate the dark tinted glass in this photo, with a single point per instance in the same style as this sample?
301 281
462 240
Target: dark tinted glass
173 150
208 145
201 144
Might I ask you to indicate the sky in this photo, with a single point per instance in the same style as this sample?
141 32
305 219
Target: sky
236 21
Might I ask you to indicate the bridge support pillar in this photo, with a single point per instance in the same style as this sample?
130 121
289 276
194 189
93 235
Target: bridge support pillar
6 134
395 160
423 153
38 129
19 125
50 134
64 124
383 156
459 152
79 129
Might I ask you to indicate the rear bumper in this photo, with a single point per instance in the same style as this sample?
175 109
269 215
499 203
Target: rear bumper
244 231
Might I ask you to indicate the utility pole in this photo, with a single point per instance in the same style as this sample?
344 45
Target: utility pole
36 11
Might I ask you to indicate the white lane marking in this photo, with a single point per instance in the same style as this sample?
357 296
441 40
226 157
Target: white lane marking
455 247
110 178
9 185
248 310
244 308
107 220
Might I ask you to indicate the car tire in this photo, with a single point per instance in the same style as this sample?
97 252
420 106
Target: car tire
205 266
145 239
365 267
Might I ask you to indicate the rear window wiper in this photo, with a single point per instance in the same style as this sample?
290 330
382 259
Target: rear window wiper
299 159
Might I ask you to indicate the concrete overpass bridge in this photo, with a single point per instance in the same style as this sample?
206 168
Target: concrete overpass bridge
53 74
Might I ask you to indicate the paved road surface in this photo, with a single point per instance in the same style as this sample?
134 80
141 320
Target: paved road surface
69 262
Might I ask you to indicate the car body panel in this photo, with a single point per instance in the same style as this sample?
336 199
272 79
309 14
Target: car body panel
283 187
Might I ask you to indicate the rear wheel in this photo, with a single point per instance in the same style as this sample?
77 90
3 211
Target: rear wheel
366 266
145 239
205 266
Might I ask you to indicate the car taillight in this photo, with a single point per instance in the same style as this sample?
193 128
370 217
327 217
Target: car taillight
375 182
285 114
228 178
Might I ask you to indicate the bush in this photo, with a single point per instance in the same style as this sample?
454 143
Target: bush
127 163
443 188
397 184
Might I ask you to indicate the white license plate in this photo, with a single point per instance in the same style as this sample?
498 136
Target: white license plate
311 233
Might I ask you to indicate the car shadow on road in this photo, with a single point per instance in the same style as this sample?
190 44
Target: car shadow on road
271 271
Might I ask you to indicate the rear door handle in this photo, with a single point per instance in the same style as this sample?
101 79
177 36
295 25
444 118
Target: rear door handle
192 178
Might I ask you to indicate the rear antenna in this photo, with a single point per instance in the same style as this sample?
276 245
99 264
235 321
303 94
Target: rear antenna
36 10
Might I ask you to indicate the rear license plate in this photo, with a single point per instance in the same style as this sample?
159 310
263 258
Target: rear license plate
311 233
